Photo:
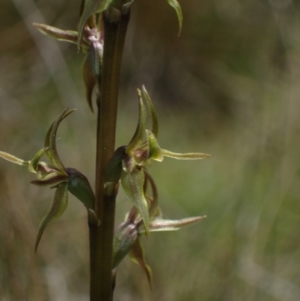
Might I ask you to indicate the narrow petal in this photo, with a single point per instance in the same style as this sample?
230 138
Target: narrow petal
184 156
58 207
173 225
57 33
133 185
13 159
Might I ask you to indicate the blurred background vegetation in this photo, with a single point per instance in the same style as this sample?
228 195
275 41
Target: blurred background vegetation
228 86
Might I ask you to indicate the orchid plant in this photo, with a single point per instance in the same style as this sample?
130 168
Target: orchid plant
101 34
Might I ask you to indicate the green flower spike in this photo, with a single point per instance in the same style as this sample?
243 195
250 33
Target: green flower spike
55 175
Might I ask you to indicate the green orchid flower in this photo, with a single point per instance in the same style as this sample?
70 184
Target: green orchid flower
91 42
127 238
129 163
54 174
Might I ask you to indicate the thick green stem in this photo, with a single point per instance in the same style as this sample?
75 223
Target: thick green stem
101 237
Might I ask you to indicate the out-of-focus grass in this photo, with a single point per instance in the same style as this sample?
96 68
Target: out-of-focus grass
229 86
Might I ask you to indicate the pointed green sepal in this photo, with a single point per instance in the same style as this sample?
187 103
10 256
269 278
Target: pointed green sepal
138 136
175 4
137 254
50 141
152 110
133 186
58 207
124 238
80 187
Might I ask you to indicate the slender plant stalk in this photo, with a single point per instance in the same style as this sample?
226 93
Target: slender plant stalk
101 237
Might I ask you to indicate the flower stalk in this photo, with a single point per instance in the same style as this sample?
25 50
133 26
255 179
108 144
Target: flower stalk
101 238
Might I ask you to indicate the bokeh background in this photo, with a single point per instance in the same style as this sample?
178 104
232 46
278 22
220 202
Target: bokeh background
228 86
